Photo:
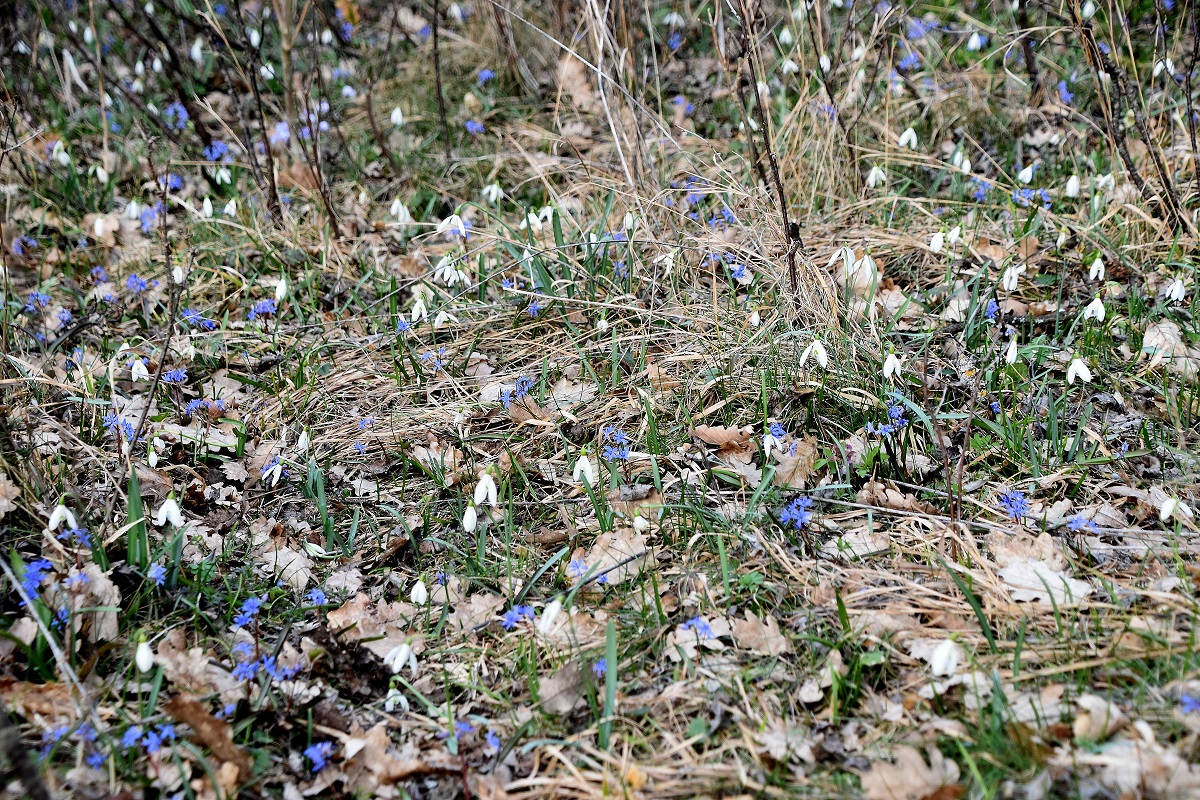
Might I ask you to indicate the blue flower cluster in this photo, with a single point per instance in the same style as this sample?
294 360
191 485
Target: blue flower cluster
703 629
1014 503
1026 197
318 753
195 319
262 308
151 740
515 615
118 426
35 573
617 444
797 513
519 391
895 421
176 116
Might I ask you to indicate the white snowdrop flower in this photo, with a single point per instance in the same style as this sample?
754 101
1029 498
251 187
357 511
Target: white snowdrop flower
825 63
393 698
456 13
492 193
1176 291
157 65
908 139
454 225
101 174
419 595
789 67
88 36
629 223
1096 271
1010 354
546 213
398 657
132 210
139 68
61 155
267 71
302 443
1079 370
943 662
975 42
152 454
667 259
144 658
837 3
419 312
230 209
816 349
754 319
865 263
641 524
1012 277
443 318
1072 189
349 92
272 476
674 20
956 159
23 48
470 519
206 208
857 55
223 176
315 550
892 366
1026 174
770 442
954 235
138 371
531 222
400 211
1089 10
937 242
177 275
486 491
1094 310
584 471
1169 507
1106 182
845 255
1061 240
137 87
169 512
549 616
281 289
98 227
327 36
876 177
965 167
786 38
58 516
254 36
197 51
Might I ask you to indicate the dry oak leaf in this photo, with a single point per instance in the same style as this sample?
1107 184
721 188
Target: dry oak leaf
722 437
213 733
1135 768
1163 342
193 670
761 635
624 547
562 691
1097 719
795 463
476 610
573 81
909 778
440 459
875 493
51 701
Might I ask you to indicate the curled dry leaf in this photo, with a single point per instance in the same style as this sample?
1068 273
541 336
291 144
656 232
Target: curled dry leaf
795 463
1097 718
9 492
761 635
909 778
618 555
288 565
573 81
1163 343
875 493
213 733
439 458
192 669
562 692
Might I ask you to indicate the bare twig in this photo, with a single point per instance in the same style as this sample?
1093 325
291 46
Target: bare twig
437 76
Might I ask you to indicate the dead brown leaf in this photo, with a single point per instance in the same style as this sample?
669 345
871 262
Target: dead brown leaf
761 635
213 733
909 778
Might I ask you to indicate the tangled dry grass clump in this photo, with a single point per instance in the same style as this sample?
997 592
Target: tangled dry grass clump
520 399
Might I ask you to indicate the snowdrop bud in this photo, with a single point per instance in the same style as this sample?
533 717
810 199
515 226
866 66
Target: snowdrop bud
132 210
456 12
302 443
149 9
1012 277
908 139
891 366
254 36
419 312
486 490
156 64
1169 507
397 117
1176 291
177 275
1025 175
223 176
815 348
197 51
1095 310
876 177
1061 240
139 69
584 471
206 208
98 227
1096 271
1089 10
101 174
62 156
754 319
956 159
470 519
327 36
169 512
230 209
152 456
419 594
267 71
641 524
937 242
545 622
1079 370
59 515
975 42
944 661
965 167
785 37
88 36
137 87
281 289
858 53
1010 355
954 235
71 24
825 65
144 657
1072 186
789 67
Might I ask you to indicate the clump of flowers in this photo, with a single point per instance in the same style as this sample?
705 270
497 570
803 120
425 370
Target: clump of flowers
797 513
895 421
1015 504
617 443
519 391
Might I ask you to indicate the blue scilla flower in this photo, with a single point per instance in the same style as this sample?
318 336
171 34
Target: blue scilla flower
262 308
484 76
1064 94
675 40
473 127
35 573
1014 503
176 116
318 753
703 629
797 513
